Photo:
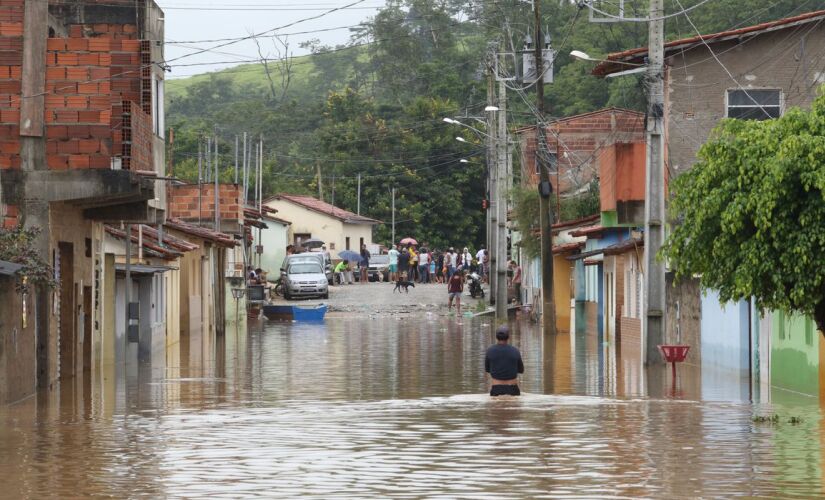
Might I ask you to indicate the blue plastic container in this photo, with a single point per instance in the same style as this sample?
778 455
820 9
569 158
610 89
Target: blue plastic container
309 313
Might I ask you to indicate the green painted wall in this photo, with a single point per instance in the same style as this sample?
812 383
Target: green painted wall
794 353
610 218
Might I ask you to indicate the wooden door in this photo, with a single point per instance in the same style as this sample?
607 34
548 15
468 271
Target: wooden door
67 334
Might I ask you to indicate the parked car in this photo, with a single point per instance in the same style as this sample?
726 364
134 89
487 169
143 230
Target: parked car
378 270
305 279
322 258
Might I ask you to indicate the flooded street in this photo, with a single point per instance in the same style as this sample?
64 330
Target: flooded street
396 406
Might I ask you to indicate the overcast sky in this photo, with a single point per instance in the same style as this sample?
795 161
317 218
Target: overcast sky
194 22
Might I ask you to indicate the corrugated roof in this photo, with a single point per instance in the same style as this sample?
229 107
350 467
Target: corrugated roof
568 247
608 67
149 248
323 207
222 239
9 268
624 246
587 231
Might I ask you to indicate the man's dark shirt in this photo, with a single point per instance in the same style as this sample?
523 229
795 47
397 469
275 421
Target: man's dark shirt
503 362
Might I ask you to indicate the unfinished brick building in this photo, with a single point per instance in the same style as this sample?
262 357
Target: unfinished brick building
575 143
81 144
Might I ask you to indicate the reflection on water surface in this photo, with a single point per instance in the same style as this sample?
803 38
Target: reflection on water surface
378 407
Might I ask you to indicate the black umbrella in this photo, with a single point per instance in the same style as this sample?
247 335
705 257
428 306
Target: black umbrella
312 243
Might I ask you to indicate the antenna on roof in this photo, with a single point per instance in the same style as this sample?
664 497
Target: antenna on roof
603 11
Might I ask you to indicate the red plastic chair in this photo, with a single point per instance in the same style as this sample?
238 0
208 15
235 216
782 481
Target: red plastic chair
674 354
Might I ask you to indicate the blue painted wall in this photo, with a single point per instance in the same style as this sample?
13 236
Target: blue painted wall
725 338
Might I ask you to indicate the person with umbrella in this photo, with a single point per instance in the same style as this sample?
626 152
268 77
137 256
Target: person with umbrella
365 264
350 257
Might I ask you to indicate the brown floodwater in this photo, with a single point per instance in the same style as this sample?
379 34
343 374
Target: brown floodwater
375 407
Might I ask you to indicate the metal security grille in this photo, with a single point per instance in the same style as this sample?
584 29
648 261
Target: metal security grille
754 104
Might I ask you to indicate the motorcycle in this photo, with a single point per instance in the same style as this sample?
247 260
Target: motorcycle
475 285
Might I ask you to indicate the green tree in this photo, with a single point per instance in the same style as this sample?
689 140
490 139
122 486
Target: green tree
17 246
751 213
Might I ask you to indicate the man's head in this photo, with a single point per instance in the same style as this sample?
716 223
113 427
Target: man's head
346 262
503 334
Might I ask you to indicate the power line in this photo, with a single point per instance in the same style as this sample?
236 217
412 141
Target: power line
589 5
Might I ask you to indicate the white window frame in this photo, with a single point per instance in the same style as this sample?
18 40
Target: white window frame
158 111
737 89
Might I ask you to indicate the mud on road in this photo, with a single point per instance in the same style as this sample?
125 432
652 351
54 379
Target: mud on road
381 298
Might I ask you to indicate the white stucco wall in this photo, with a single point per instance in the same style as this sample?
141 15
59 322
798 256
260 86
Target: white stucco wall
274 240
329 229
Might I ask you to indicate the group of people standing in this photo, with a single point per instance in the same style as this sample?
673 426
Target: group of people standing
434 266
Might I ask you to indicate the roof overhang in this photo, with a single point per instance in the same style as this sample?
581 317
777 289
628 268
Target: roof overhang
9 268
614 62
142 269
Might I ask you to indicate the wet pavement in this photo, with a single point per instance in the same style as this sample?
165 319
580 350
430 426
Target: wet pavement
381 298
395 406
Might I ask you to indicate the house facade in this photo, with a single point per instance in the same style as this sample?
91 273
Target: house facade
312 218
754 72
86 150
574 145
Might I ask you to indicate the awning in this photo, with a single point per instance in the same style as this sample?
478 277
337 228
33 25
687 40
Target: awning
585 254
9 268
143 269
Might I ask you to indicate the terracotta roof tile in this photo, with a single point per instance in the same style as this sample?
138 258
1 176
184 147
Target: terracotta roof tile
609 66
323 207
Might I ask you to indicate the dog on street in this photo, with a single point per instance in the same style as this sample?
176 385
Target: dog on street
403 284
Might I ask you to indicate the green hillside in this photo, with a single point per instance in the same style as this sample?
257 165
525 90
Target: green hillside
376 108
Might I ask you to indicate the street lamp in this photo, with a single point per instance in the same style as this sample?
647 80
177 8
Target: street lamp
637 68
463 161
491 108
237 294
461 139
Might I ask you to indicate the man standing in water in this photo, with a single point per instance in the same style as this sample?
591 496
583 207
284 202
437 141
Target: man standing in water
503 363
393 253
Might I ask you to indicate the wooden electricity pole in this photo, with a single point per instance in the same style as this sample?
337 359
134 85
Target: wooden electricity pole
654 321
548 309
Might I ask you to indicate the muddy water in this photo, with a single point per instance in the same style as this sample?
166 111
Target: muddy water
381 407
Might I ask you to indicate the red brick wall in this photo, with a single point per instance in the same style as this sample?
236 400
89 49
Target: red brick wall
137 140
631 332
89 77
9 220
11 61
584 139
88 80
183 202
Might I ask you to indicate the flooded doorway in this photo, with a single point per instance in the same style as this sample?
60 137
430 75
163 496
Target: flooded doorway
67 339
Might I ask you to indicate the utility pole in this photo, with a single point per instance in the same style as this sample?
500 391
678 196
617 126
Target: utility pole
333 190
253 171
247 171
548 305
359 195
501 204
393 216
236 160
654 321
200 179
245 168
171 165
320 187
260 175
208 171
491 183
217 187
